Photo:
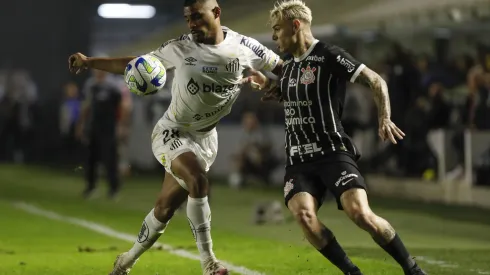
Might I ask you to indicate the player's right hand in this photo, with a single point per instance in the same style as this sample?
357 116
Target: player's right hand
258 81
389 131
77 63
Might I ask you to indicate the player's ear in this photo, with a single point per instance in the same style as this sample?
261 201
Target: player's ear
217 12
296 25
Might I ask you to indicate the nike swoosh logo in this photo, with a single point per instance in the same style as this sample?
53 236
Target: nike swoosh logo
345 182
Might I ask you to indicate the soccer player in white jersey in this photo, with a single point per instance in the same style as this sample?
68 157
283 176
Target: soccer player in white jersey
209 64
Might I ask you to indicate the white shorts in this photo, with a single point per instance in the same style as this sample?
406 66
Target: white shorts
168 143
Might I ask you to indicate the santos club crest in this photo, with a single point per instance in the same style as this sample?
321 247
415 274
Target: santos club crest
308 76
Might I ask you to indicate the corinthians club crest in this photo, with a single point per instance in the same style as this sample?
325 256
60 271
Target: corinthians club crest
308 76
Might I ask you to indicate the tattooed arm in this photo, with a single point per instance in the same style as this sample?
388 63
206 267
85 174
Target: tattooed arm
378 86
387 129
347 68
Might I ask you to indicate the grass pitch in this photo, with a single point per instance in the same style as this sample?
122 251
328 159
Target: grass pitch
447 240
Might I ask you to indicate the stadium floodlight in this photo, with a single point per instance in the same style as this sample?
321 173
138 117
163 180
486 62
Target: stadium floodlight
126 11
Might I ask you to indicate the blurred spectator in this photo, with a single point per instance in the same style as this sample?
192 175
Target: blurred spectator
357 109
459 69
481 111
102 113
69 117
438 109
478 109
124 129
70 109
402 83
476 80
16 118
482 104
482 168
429 112
418 156
425 76
255 156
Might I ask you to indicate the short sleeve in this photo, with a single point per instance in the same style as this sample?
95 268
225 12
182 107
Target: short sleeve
167 54
342 64
259 56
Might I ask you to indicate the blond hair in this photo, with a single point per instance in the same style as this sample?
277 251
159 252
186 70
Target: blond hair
290 10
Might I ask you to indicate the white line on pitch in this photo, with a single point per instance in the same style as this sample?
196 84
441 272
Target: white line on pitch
99 228
445 264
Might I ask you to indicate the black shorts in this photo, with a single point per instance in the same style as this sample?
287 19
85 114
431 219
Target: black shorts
337 173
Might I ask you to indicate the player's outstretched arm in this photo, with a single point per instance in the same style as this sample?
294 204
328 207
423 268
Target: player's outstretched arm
372 80
78 63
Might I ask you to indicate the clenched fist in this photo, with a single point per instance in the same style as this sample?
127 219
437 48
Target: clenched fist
77 63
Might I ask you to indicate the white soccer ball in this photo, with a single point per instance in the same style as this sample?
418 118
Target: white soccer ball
145 75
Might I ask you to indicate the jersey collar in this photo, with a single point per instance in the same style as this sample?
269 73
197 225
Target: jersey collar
226 30
303 56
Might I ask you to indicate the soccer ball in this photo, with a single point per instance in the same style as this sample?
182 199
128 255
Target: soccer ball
145 75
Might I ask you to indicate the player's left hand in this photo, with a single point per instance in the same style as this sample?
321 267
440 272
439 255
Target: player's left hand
389 131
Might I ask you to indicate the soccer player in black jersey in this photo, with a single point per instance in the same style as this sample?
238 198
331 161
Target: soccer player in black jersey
320 156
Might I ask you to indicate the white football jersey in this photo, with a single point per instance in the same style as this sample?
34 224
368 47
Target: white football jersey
206 77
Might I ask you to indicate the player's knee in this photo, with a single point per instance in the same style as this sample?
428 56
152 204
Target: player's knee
305 217
198 185
163 212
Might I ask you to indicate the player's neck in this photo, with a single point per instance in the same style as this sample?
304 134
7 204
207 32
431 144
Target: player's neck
217 38
304 43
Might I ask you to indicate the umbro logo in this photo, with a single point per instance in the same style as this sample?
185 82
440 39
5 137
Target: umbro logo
190 61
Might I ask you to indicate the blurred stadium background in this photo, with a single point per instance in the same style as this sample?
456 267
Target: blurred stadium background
434 54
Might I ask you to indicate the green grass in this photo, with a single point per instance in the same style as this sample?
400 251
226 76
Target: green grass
34 245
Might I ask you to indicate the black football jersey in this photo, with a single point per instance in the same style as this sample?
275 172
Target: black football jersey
313 89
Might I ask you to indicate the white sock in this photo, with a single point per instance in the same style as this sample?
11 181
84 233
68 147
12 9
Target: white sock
199 216
149 234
